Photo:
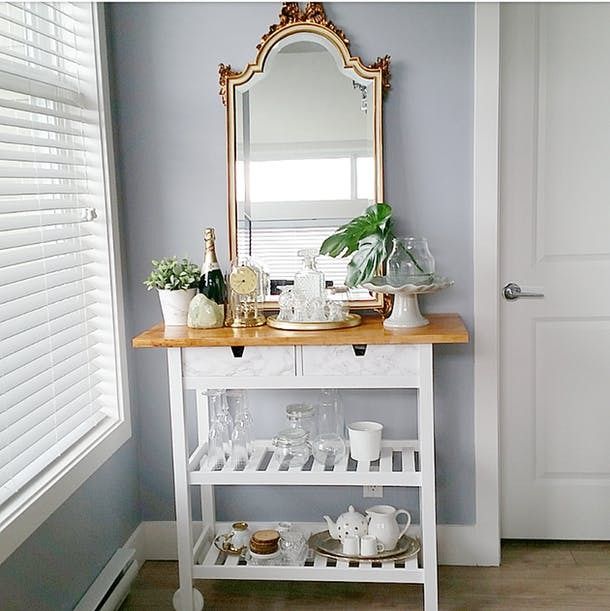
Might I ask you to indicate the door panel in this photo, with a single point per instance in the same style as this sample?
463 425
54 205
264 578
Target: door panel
555 234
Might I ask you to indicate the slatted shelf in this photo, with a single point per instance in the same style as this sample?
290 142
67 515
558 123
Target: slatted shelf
218 565
398 465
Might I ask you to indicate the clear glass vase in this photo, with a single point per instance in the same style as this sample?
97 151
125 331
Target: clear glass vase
410 262
328 447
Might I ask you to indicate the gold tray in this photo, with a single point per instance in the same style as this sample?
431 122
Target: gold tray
322 543
352 320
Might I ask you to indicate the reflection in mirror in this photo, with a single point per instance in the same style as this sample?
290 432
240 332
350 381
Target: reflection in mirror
304 135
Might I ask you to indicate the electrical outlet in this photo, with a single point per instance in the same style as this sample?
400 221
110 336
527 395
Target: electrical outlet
372 492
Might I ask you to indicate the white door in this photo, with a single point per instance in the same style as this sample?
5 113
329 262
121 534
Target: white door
555 237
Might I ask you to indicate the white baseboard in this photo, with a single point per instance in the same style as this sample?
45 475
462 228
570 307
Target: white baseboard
457 544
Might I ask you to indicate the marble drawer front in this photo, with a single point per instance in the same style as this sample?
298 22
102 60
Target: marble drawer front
377 360
255 361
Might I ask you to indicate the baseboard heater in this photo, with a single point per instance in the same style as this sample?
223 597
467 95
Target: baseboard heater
111 587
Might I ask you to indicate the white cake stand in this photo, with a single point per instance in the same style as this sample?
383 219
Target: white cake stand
405 313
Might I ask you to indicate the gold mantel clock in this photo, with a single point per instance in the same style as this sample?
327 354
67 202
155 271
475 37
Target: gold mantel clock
244 296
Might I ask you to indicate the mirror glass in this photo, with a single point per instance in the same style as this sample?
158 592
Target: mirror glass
304 148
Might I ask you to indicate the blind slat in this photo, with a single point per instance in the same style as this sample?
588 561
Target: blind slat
71 114
41 126
8 67
37 14
36 187
40 62
44 339
48 282
43 219
35 155
32 141
28 320
68 38
42 371
41 235
12 310
39 252
35 425
48 382
38 173
37 457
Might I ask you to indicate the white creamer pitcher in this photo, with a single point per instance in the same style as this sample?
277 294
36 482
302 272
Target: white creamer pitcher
384 526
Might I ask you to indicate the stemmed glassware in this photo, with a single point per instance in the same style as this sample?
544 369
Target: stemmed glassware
243 436
219 441
229 438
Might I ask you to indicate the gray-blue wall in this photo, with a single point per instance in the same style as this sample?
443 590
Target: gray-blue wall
171 127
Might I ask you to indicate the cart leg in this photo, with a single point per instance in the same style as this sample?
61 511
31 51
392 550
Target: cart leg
186 598
425 420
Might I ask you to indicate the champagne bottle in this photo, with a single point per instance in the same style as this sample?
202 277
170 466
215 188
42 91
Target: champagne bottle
211 283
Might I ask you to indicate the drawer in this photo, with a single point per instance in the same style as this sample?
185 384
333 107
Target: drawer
377 360
246 361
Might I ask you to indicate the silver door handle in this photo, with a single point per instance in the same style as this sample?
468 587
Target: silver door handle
513 291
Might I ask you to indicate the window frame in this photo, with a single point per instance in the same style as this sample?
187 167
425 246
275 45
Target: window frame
37 501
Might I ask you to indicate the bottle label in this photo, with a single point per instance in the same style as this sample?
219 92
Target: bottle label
210 266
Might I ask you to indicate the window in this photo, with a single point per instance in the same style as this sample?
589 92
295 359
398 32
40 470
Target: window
61 385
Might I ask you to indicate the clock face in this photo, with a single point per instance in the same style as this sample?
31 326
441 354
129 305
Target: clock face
243 280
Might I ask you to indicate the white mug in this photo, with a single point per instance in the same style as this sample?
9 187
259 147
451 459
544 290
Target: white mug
351 545
365 440
369 546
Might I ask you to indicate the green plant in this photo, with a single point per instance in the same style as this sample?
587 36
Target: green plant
172 274
368 238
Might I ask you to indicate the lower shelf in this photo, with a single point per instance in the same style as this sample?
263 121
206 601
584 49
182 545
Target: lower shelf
215 564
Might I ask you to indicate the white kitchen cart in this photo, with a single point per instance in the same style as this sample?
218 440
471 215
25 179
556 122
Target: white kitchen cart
368 356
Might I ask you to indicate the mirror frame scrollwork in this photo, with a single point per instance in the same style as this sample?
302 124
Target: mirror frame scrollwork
294 20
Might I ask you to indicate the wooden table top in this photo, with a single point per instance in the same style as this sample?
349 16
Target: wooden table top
443 329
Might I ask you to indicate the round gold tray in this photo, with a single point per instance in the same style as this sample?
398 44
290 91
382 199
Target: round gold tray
352 320
322 543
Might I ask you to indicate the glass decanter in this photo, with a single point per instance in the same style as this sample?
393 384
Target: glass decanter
410 261
328 446
309 281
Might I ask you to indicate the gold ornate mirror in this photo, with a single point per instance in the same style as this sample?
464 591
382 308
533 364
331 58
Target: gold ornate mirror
304 143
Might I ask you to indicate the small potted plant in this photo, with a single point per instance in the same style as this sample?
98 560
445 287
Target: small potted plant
176 281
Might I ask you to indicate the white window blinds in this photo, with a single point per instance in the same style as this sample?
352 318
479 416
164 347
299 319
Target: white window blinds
58 372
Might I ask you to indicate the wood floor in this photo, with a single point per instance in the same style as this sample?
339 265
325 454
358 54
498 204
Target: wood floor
533 575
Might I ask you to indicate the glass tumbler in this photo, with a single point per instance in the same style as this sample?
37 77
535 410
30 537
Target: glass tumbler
328 447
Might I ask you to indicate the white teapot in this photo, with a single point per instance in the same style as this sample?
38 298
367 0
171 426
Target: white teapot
349 523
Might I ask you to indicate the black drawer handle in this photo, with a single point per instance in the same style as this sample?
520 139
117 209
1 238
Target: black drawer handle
238 351
359 349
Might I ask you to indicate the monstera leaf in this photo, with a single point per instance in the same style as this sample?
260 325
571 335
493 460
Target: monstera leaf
366 237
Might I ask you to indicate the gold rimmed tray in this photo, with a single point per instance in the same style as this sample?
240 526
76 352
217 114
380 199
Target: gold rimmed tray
322 543
351 320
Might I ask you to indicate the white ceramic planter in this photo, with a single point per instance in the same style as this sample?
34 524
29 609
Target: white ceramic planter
175 305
